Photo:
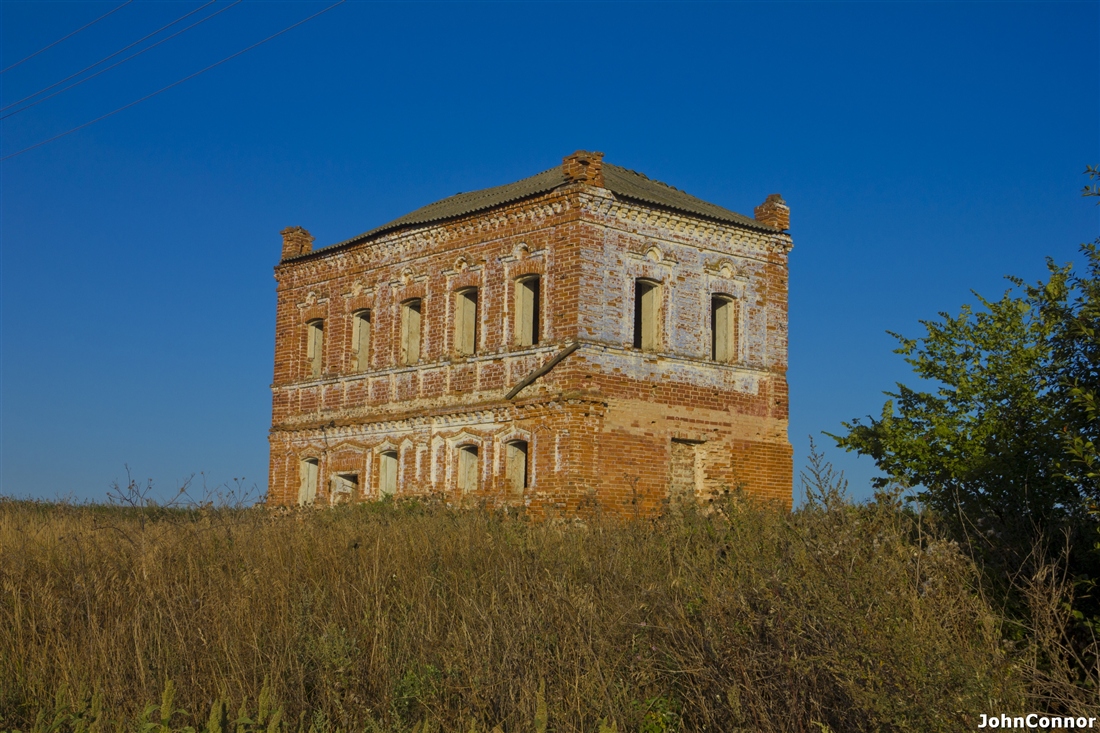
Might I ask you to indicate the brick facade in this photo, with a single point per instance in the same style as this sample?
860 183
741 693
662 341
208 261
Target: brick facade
610 426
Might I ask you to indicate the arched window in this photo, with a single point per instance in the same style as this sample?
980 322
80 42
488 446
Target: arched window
723 329
308 471
315 346
410 331
360 339
468 473
466 321
515 468
527 311
647 315
387 473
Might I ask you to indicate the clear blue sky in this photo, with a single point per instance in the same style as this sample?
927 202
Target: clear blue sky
925 149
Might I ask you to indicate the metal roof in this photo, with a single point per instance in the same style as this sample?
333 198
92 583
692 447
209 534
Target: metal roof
620 181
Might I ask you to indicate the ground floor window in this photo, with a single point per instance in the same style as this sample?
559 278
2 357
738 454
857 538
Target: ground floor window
308 472
515 469
387 473
345 486
468 468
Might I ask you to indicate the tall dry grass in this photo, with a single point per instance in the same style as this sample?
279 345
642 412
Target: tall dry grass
378 617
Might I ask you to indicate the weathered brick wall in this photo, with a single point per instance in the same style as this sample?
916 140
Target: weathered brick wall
601 425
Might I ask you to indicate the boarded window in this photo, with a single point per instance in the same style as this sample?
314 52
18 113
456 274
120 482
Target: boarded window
527 311
360 340
467 468
410 331
515 469
344 486
466 321
308 471
646 315
723 329
315 346
387 473
685 470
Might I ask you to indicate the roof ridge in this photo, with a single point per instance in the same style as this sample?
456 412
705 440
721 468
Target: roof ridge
622 181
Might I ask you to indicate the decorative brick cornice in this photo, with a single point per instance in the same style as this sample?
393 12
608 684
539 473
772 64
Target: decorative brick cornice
408 244
627 216
412 244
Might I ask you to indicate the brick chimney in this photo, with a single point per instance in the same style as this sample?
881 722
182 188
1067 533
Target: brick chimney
583 167
774 212
296 241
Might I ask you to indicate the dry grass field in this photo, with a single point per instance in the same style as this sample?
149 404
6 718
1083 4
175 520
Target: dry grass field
416 617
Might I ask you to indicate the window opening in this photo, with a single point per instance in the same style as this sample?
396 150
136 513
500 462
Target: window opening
410 331
345 483
315 346
646 314
467 468
723 329
527 311
360 340
387 473
685 470
515 470
307 489
466 321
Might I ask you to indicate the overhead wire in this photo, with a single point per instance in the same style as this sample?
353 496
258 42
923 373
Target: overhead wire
65 38
78 82
107 58
173 84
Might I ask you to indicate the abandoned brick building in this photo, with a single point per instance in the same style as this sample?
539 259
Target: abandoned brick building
583 338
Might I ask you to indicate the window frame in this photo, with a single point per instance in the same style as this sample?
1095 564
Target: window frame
647 332
359 318
511 449
527 323
468 462
315 347
340 484
389 464
313 475
467 313
408 307
730 306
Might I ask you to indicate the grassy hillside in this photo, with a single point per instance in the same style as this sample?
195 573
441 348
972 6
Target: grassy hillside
381 617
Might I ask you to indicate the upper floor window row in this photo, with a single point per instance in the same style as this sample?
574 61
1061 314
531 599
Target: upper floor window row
649 319
648 326
410 346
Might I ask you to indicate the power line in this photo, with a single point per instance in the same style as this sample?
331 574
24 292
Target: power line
107 58
65 38
118 63
175 83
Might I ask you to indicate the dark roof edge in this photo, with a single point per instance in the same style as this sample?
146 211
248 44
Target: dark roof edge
525 188
529 188
747 224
